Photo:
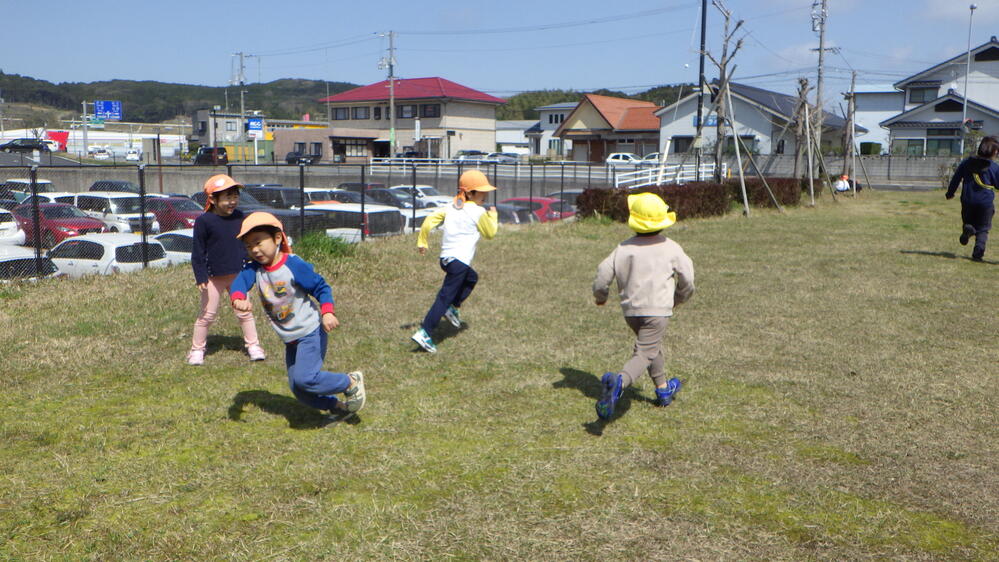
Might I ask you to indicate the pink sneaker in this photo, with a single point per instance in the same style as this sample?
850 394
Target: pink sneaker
256 353
196 357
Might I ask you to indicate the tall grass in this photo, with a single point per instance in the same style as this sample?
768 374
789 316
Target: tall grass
839 403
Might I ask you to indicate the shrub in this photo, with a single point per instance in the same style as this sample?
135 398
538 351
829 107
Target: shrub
786 190
697 199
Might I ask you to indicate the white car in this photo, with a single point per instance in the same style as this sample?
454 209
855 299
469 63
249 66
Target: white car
133 155
346 220
51 197
10 231
651 159
19 189
118 210
426 193
623 158
104 254
19 263
177 244
100 154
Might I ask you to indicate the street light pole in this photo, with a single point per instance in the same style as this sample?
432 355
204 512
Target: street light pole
967 71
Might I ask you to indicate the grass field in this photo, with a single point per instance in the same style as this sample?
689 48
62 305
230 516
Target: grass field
840 367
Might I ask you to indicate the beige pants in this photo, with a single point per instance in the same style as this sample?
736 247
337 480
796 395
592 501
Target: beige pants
211 297
648 352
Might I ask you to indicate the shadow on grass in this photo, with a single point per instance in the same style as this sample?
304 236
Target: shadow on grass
443 331
948 255
299 416
215 344
589 385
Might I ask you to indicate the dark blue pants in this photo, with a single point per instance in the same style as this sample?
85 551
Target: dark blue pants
980 217
459 280
308 381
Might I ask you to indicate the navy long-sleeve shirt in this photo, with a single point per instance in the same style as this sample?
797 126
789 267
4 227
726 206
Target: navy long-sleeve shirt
216 250
978 178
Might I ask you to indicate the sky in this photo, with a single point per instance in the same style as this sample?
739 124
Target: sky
498 47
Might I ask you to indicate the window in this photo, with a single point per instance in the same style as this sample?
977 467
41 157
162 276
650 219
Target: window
405 111
555 145
430 110
943 133
341 113
300 147
350 147
922 95
378 113
943 147
230 125
555 118
682 144
78 249
176 243
133 252
908 147
202 127
317 148
360 112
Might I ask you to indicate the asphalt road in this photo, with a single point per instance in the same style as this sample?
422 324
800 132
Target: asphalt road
44 159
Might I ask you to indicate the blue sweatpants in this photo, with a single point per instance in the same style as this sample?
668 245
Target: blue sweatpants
308 381
980 217
459 280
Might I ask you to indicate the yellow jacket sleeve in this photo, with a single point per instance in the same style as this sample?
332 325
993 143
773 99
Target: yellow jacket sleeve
429 223
489 224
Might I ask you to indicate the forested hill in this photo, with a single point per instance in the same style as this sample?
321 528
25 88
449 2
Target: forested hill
152 102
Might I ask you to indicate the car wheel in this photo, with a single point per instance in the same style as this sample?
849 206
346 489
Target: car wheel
113 229
48 240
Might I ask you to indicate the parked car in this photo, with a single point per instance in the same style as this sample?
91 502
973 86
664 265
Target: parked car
56 222
11 232
177 244
469 157
104 254
174 212
295 157
290 219
8 204
346 220
568 195
339 196
24 145
426 193
501 158
52 144
395 198
545 208
120 211
211 156
20 188
512 214
100 154
50 197
20 264
651 159
133 155
357 186
623 159
114 185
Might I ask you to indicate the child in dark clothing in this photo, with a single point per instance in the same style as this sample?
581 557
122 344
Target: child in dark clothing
217 256
978 177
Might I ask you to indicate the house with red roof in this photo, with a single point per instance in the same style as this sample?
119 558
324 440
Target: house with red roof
601 125
434 117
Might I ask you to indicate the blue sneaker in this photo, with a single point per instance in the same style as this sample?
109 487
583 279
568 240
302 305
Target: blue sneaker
453 316
422 338
664 396
612 384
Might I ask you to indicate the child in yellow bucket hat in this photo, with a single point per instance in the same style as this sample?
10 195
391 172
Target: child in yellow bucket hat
653 275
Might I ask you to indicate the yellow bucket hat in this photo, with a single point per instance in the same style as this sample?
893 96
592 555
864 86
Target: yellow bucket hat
649 213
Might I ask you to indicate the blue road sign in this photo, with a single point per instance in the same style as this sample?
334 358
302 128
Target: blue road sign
108 110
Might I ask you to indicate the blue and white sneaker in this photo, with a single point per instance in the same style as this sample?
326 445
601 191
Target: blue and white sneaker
612 384
355 396
422 338
664 396
453 316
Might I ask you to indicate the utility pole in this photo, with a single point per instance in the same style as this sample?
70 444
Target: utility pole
701 83
967 71
819 12
851 108
389 63
86 148
240 80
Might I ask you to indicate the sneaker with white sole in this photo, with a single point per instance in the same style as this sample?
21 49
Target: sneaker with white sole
256 353
453 316
196 357
355 396
422 338
664 396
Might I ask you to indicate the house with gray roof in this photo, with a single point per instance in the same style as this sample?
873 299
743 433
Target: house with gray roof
541 135
763 119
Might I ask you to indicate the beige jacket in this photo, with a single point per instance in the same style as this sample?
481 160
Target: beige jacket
653 274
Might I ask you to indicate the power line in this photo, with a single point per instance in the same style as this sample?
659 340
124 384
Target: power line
541 47
320 46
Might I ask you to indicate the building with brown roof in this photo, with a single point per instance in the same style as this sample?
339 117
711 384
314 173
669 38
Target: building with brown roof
601 125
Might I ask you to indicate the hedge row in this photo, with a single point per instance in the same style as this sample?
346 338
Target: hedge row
695 199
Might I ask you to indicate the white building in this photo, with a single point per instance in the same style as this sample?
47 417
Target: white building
929 118
510 136
874 104
541 134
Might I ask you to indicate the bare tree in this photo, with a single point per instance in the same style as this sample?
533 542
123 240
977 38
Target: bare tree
722 64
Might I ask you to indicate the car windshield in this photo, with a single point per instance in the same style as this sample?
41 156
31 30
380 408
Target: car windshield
429 191
346 197
319 195
23 268
67 212
126 205
133 253
185 205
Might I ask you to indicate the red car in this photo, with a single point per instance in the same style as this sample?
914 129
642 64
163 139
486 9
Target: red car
58 221
174 212
545 208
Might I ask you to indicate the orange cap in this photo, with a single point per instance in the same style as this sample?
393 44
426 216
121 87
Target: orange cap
261 218
474 180
216 183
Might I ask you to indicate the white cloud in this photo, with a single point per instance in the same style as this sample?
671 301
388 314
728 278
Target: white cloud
956 11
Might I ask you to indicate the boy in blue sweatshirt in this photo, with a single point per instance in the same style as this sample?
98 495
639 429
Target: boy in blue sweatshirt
285 282
978 177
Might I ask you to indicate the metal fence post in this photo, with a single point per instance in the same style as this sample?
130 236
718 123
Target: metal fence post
35 218
589 176
364 215
142 214
414 196
530 183
301 201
